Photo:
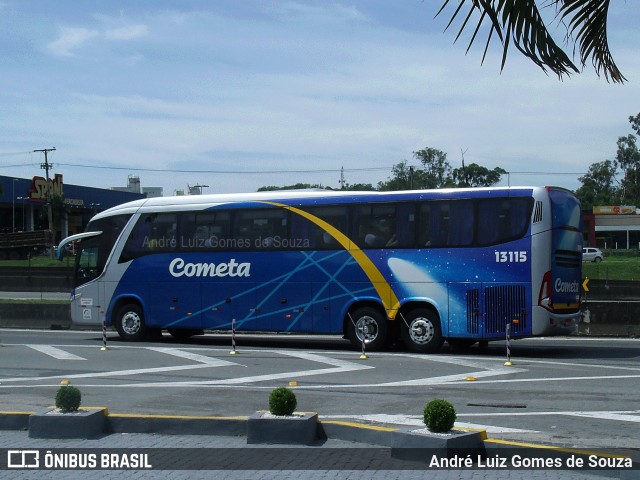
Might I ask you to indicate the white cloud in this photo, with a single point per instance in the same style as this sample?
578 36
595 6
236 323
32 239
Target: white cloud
70 39
285 85
129 32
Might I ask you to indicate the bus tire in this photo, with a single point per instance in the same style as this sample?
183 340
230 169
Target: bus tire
129 322
420 331
372 323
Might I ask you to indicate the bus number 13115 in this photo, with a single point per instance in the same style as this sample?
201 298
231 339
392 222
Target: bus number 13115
511 257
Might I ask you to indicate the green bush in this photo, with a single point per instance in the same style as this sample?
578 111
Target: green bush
282 401
439 416
68 398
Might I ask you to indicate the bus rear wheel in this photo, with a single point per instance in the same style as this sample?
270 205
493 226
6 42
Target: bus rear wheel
129 322
370 324
420 331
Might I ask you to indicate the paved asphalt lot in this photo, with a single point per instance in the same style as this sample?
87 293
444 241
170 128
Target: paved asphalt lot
578 393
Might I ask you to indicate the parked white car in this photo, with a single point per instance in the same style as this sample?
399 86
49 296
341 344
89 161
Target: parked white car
592 255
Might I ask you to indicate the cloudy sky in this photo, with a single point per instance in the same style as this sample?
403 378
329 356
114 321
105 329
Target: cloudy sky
238 94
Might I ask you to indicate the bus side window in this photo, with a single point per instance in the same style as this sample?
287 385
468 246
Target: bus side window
317 237
501 220
153 232
211 231
434 224
261 229
304 233
375 226
461 224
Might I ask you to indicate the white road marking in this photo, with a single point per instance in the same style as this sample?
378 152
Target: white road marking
115 373
415 421
609 416
561 379
215 362
56 353
203 362
338 366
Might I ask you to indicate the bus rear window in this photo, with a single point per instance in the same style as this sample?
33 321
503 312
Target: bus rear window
565 210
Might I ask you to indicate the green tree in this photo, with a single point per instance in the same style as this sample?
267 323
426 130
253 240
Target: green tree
599 185
437 170
359 187
628 159
403 177
474 175
520 22
635 123
59 212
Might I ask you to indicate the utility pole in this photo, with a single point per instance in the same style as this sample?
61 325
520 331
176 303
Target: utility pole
48 166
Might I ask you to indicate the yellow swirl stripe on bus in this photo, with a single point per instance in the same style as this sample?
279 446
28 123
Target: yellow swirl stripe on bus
386 293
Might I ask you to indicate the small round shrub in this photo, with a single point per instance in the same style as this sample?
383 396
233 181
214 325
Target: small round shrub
439 416
68 398
282 401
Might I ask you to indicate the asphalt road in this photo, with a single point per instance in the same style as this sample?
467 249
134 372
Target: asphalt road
573 392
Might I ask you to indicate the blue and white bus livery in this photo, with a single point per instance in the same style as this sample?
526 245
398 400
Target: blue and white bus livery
421 266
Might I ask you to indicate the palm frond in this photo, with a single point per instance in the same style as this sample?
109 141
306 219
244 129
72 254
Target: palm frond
587 19
520 22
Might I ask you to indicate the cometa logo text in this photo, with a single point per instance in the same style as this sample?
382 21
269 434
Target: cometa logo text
179 268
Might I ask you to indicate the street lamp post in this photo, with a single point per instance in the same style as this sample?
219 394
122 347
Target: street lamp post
13 185
23 212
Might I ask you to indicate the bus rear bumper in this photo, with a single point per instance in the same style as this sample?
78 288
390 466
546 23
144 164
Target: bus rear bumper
547 323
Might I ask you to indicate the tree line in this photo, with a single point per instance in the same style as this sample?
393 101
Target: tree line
609 182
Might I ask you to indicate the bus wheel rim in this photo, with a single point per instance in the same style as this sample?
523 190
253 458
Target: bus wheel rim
367 328
421 330
131 323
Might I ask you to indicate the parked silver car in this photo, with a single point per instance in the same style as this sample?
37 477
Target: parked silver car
590 254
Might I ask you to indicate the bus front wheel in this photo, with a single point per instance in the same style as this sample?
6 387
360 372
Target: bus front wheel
129 322
420 331
368 324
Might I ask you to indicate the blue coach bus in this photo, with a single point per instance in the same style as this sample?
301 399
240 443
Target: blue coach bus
417 266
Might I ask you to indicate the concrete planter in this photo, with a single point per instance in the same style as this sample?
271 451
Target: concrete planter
50 423
296 429
421 445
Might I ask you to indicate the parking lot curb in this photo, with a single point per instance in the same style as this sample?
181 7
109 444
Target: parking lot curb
381 435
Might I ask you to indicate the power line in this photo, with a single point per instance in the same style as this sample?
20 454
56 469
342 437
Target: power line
14 153
249 172
234 172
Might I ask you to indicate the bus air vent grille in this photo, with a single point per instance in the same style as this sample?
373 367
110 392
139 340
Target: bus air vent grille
473 311
537 212
503 305
567 258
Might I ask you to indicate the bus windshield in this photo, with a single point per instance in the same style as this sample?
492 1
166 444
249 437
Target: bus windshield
94 251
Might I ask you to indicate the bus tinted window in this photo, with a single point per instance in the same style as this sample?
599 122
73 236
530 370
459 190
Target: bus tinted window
385 226
153 233
461 224
502 219
374 225
565 208
95 251
262 229
434 224
309 235
205 231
